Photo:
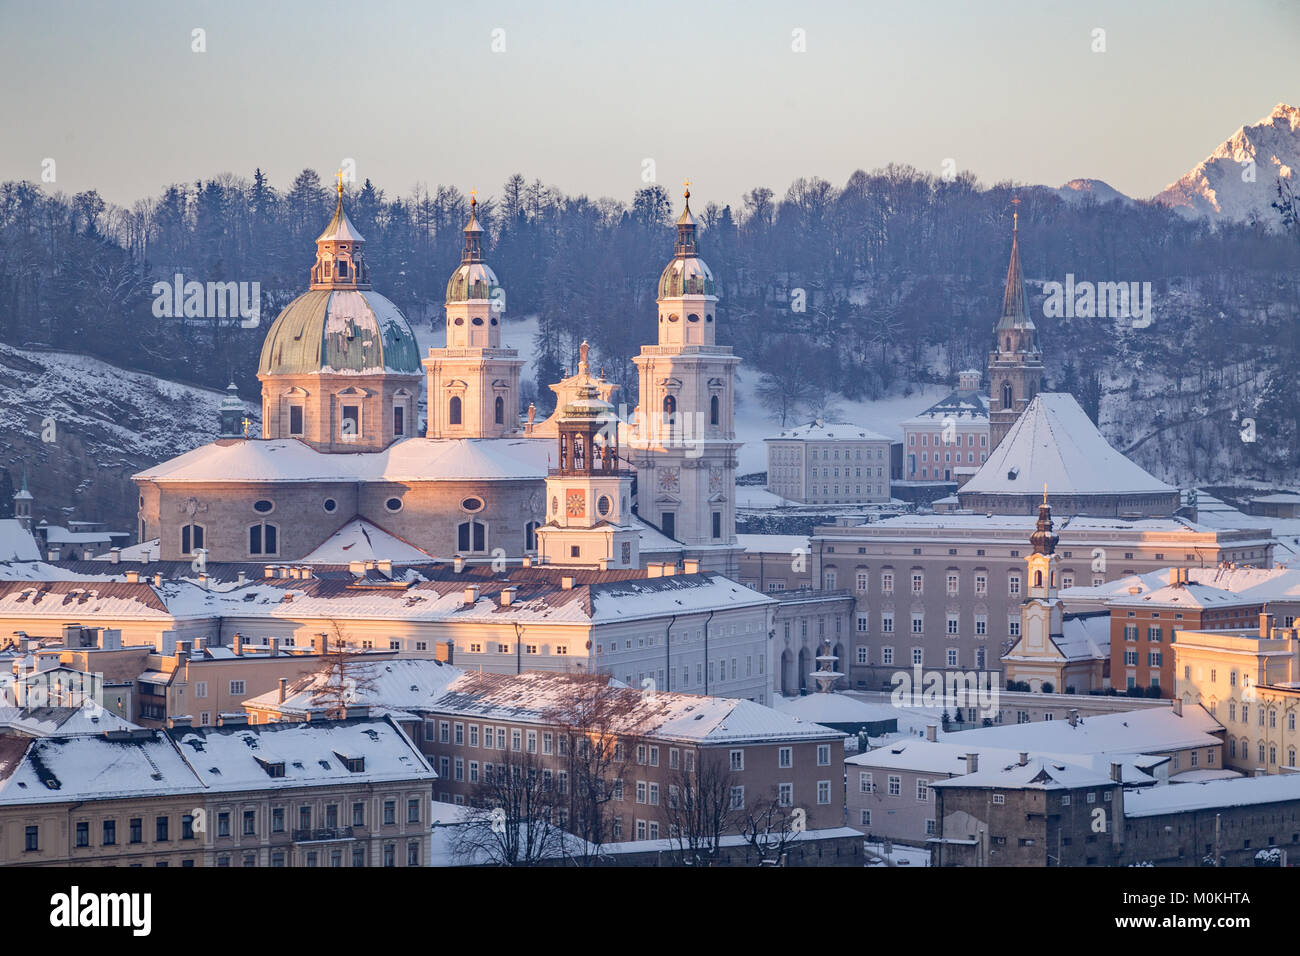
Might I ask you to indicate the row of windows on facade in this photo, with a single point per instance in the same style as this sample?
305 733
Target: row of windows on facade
455 410
1096 553
264 538
350 420
827 454
952 582
951 440
894 788
670 411
1265 752
952 657
223 824
795 472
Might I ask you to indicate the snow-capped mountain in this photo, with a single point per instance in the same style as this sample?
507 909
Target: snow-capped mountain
1078 191
1238 181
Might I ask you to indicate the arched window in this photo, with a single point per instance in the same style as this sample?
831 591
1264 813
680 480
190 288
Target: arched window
500 410
1006 394
471 536
670 408
453 411
1038 579
263 538
530 535
192 537
713 410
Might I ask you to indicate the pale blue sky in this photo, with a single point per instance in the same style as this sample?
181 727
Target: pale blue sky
585 91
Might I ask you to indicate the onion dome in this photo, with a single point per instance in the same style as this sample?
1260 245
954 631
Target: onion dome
474 278
340 324
1044 538
686 273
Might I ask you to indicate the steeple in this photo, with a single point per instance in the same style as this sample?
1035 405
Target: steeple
685 228
340 262
473 251
1044 538
686 289
23 504
1015 315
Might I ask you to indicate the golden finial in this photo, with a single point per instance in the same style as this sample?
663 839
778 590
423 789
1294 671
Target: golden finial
472 200
687 184
1044 492
247 422
1015 213
340 184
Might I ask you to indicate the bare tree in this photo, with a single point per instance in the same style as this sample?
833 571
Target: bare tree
348 677
770 827
597 728
514 820
704 803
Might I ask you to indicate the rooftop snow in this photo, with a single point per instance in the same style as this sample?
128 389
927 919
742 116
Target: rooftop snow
828 431
1054 442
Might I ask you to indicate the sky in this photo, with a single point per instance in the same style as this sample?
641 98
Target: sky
600 98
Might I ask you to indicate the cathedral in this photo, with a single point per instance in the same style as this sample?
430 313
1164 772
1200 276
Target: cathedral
339 464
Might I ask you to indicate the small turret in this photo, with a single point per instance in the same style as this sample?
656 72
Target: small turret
231 413
23 501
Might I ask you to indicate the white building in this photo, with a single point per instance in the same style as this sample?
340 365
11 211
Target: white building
829 463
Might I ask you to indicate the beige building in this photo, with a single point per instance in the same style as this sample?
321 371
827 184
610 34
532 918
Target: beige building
1250 680
351 793
829 463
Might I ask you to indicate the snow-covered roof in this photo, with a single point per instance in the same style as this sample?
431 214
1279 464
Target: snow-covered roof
16 542
1150 730
1055 442
56 535
961 406
1189 797
231 758
69 600
359 540
1084 637
70 769
536 696
773 543
828 431
411 459
395 684
834 709
1206 588
947 756
1037 773
88 718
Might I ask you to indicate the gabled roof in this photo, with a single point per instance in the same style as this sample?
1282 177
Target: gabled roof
1037 773
396 685
960 405
1055 443
359 540
16 542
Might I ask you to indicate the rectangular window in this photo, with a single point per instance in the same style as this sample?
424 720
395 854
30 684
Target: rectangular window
399 421
295 419
823 755
737 760
350 423
823 792
236 688
785 757
110 832
865 784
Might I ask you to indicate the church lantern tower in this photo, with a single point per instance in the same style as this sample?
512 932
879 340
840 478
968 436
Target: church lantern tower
1041 614
589 496
1015 364
340 369
683 440
473 383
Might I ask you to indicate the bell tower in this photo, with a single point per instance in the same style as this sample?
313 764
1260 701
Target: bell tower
1040 615
683 435
473 383
589 496
1015 364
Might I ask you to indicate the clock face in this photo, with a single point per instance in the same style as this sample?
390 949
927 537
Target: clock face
715 480
575 503
668 479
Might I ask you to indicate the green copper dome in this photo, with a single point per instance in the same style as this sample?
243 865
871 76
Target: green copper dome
357 332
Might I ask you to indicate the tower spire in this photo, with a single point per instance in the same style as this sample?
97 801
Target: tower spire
473 251
1015 314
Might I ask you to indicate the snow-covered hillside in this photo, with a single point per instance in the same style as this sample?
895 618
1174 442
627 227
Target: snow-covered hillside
80 427
1079 191
1238 180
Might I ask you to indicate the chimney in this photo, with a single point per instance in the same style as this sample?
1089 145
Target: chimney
670 568
232 720
157 579
1178 707
320 643
203 580
238 644
603 564
274 644
972 763
268 571
185 721
1024 757
1074 717
71 635
111 639
931 733
284 685
566 582
527 561
1115 773
471 595
133 577
385 566
182 652
507 596
1175 576
690 566
1266 622
458 563
654 569
115 555
200 643
241 579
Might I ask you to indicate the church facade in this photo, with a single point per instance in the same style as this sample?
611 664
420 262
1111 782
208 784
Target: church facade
339 455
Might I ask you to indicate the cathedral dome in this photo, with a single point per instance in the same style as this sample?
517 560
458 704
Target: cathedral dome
355 331
471 280
688 275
